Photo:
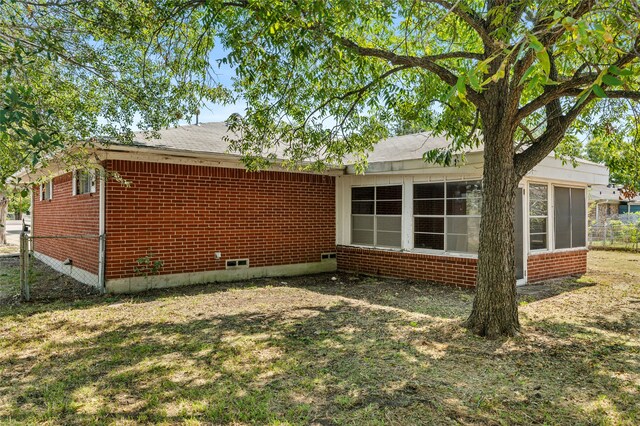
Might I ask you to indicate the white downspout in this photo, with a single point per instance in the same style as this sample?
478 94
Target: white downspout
101 230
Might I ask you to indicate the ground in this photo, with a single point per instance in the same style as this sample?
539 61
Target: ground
314 350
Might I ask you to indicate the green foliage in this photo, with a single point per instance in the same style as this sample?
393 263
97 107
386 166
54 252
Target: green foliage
75 71
616 143
146 265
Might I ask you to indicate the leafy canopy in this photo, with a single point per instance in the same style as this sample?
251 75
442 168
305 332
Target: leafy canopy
75 71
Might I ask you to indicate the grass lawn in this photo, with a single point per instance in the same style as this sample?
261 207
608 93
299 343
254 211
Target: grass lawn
311 350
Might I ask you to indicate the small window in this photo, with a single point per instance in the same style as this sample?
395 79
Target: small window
538 216
84 182
46 191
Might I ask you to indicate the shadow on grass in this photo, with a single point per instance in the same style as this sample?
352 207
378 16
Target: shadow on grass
331 361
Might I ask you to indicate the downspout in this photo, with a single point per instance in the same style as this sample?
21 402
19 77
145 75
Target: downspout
101 230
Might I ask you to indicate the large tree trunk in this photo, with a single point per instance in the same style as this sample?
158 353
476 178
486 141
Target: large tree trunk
495 310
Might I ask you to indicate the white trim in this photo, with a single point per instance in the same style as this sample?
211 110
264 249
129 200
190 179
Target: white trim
101 229
74 183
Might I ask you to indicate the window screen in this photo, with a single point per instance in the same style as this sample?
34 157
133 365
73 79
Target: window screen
570 217
376 215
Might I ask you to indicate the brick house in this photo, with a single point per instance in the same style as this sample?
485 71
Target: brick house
191 204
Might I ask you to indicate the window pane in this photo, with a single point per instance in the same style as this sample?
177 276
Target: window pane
463 234
388 239
364 193
464 207
464 189
428 190
578 218
538 192
538 241
538 225
362 237
362 222
429 241
428 207
389 207
429 224
389 223
562 217
362 207
389 192
538 208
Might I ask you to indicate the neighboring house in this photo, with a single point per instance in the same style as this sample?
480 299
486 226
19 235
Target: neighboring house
607 202
194 207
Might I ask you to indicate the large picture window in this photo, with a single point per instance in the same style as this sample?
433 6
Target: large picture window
570 217
376 215
538 216
447 216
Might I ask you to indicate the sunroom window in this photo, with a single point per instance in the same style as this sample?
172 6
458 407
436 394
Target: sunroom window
376 215
538 216
570 217
447 216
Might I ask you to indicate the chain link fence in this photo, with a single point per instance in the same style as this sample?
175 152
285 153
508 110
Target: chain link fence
615 235
61 265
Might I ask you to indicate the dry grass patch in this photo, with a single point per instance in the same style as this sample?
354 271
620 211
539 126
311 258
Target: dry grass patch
310 350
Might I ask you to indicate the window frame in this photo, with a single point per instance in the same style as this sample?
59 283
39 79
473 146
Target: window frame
80 174
49 185
550 209
445 216
375 215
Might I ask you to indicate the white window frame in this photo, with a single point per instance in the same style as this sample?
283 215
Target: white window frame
375 215
444 216
47 185
550 210
80 174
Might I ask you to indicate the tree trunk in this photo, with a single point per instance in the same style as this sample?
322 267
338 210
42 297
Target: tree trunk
4 203
495 310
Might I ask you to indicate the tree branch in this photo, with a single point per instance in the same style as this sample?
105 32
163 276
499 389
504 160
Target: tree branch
471 19
425 62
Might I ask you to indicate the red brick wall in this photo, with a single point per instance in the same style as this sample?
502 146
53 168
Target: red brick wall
442 269
184 214
67 215
451 270
555 265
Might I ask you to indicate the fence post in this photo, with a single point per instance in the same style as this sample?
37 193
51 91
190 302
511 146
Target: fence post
24 267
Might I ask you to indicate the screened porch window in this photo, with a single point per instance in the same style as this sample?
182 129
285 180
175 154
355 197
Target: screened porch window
376 215
447 216
538 216
570 217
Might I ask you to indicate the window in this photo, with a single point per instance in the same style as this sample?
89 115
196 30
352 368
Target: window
84 182
376 215
570 217
538 216
447 216
46 191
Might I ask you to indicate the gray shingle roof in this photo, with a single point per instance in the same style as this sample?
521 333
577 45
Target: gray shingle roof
209 138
